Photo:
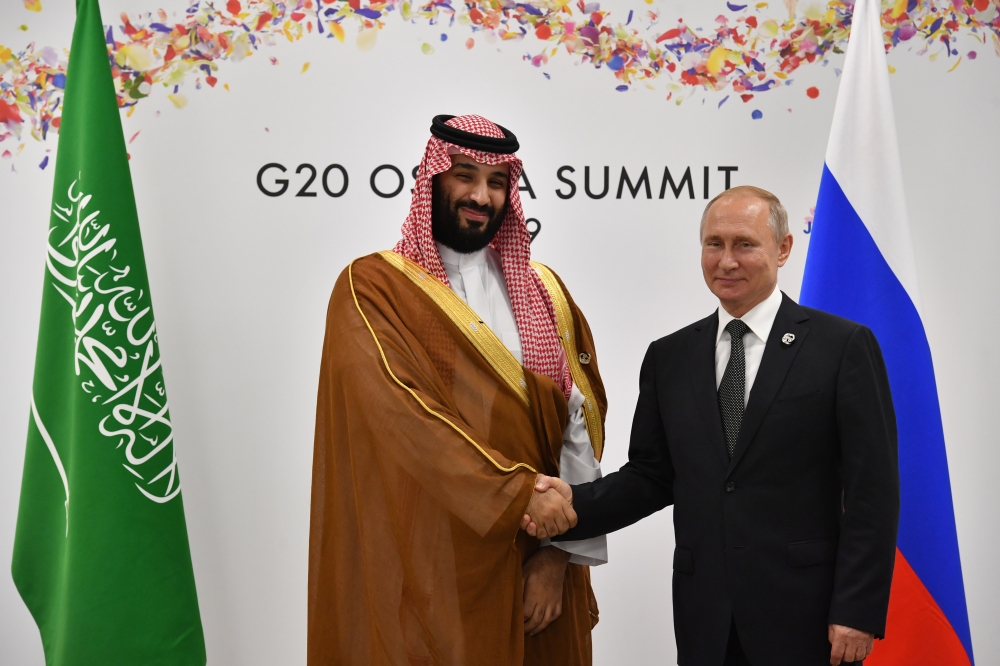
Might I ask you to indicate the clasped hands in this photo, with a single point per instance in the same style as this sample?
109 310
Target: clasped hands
550 511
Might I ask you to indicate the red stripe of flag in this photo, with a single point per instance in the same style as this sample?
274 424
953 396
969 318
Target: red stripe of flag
917 631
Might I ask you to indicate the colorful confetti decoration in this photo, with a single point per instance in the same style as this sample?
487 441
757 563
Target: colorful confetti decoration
744 53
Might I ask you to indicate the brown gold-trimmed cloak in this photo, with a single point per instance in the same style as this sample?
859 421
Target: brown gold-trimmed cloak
429 435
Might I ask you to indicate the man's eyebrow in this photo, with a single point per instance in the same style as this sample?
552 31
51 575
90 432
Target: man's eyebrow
468 166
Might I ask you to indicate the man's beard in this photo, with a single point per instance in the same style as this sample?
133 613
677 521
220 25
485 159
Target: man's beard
446 227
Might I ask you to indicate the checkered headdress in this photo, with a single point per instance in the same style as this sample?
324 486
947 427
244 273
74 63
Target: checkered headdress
488 143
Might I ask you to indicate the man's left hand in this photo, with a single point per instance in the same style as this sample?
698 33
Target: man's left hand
849 644
542 577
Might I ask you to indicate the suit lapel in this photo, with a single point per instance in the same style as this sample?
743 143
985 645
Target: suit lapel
774 366
702 368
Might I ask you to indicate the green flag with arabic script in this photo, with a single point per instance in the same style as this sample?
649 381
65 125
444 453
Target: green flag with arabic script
101 554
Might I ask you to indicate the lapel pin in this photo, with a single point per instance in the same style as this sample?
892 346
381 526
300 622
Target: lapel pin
788 338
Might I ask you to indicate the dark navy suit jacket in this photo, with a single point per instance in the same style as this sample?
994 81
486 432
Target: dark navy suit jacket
798 529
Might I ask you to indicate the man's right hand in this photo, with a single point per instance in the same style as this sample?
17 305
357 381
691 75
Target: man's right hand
550 511
849 645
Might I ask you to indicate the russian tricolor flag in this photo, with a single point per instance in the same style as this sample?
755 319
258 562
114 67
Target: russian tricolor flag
861 266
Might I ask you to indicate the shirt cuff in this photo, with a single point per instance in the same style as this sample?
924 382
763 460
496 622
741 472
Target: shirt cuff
588 552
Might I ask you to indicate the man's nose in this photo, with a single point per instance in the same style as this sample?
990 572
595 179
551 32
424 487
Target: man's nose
480 194
728 261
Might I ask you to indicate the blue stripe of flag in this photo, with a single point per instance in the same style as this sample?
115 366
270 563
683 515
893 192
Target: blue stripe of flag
847 275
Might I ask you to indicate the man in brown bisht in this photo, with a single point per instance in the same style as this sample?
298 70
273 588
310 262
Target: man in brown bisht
454 371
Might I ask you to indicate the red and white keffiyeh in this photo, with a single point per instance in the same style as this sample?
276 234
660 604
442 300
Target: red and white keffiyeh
533 310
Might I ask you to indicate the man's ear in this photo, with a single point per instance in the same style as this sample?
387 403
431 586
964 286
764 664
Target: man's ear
785 249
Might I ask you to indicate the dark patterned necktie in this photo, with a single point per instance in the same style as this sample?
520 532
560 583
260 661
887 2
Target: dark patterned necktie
732 390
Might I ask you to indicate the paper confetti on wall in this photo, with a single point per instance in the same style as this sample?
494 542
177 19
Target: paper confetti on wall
744 53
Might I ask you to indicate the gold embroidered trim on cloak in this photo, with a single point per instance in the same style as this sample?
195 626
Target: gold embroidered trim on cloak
465 318
567 335
385 361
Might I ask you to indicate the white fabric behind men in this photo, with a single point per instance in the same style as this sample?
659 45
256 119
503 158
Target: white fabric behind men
477 278
863 151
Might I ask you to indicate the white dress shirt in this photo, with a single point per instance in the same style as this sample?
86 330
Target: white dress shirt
477 278
759 319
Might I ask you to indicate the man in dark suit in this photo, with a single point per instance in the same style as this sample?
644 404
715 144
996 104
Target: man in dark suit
770 428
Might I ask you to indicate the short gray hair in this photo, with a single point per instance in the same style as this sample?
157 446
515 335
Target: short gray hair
777 218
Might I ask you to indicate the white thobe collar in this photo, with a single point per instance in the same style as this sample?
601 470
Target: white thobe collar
461 259
759 319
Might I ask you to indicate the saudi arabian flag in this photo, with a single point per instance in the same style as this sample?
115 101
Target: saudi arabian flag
101 553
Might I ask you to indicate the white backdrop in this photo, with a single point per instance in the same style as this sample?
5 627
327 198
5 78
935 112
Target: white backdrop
241 280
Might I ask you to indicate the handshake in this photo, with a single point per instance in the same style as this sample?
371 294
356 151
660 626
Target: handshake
550 511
